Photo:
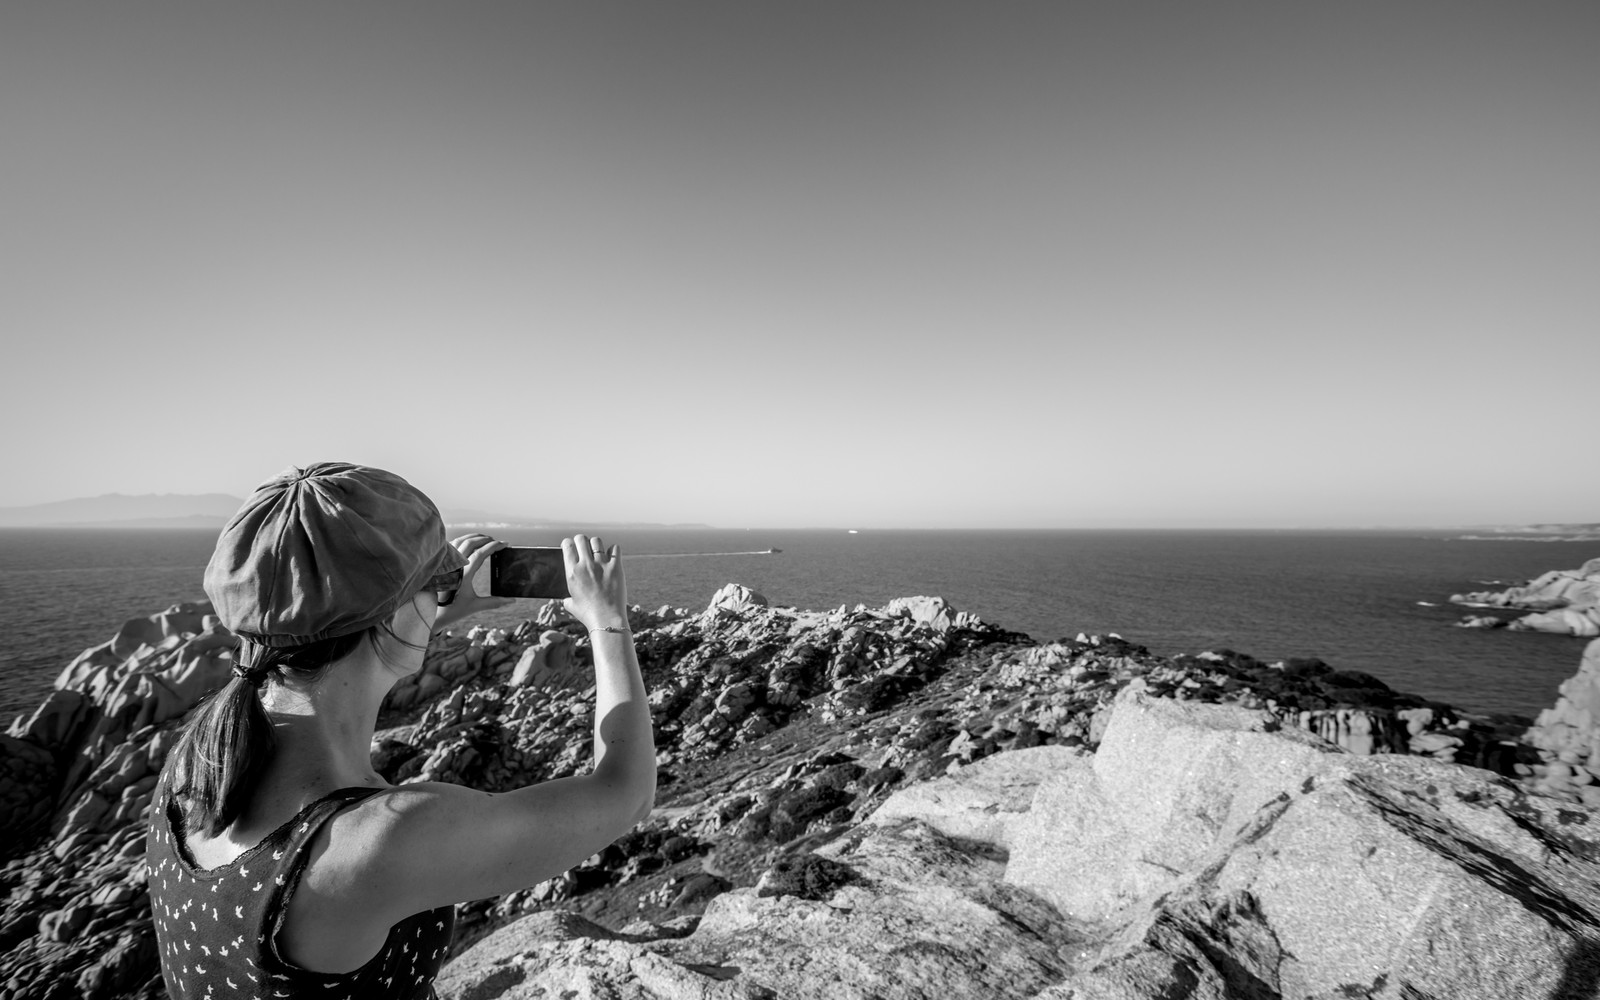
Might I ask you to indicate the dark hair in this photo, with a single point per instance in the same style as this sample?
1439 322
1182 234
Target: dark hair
227 744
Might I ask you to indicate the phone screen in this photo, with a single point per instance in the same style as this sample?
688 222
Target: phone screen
520 571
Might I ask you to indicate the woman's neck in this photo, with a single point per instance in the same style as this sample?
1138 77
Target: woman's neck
324 731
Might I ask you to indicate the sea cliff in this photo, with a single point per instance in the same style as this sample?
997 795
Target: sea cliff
901 801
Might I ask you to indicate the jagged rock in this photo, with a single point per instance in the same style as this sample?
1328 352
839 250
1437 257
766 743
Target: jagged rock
807 876
919 918
549 662
493 966
1358 731
138 637
1100 839
1568 736
553 614
982 801
1564 601
27 781
57 722
123 967
1573 724
1233 854
935 612
735 597
1564 621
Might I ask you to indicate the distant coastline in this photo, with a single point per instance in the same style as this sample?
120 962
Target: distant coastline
1527 538
1538 533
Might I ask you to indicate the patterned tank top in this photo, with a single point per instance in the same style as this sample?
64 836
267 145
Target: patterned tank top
217 928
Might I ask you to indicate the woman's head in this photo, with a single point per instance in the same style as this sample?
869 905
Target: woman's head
324 551
315 563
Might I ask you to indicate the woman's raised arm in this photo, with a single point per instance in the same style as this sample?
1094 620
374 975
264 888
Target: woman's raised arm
424 845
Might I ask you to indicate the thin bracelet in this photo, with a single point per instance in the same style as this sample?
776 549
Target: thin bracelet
610 628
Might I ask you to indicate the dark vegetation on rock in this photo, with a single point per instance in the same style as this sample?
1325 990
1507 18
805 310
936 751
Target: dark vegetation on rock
932 804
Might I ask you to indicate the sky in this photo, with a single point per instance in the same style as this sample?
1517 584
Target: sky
895 264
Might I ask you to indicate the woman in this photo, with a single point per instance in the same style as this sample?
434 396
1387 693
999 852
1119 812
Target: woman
281 864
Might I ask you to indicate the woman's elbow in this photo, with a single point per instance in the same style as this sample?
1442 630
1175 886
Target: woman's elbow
647 801
643 812
631 803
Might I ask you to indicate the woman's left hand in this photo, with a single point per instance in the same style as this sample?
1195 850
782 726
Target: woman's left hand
476 548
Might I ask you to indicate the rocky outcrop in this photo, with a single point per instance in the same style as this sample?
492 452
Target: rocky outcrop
1567 737
803 755
77 917
900 911
1202 851
1234 858
1563 601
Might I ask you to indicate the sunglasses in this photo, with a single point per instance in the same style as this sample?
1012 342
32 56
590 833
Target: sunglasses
444 586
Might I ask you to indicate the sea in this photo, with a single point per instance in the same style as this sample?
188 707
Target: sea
1374 601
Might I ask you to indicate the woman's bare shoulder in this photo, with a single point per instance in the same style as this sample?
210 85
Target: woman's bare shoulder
418 846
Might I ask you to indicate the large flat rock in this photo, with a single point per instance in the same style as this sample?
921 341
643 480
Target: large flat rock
903 913
1255 861
982 801
1168 776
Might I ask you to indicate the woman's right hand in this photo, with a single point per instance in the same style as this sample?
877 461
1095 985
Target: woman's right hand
475 548
594 579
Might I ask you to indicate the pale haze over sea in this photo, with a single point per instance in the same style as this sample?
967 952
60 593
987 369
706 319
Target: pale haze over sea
901 265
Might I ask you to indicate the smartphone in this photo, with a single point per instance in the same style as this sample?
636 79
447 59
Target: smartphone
527 571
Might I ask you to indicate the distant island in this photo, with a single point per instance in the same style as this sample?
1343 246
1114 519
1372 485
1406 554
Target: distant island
147 510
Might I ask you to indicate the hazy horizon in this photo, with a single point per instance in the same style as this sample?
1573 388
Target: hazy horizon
469 516
1012 265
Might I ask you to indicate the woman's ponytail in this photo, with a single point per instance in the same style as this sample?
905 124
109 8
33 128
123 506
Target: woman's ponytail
228 743
221 756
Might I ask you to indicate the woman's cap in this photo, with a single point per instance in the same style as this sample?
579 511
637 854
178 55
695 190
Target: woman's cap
326 551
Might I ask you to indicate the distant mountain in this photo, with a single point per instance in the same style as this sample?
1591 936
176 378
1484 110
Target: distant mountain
144 510
206 510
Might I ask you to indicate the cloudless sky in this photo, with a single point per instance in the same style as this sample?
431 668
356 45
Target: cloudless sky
800 264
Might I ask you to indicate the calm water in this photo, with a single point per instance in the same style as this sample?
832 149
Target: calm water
1347 597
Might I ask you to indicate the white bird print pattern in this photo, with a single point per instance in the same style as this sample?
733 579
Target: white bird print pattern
399 970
